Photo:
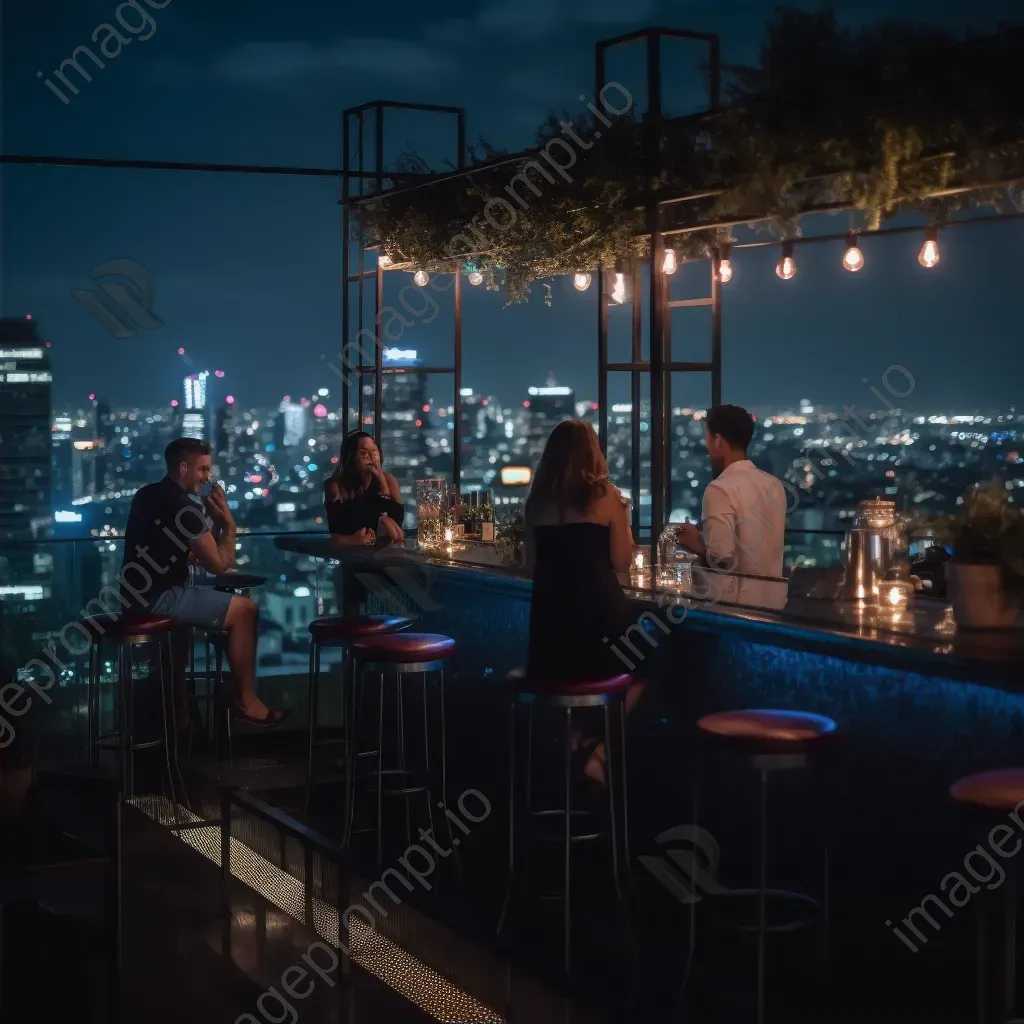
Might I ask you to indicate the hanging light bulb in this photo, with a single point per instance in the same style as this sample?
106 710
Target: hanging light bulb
475 277
581 282
421 277
786 268
384 261
929 254
724 265
853 258
619 289
669 265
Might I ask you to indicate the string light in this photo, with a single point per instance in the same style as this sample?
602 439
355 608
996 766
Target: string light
421 277
619 289
724 265
853 258
786 268
669 264
929 254
581 282
384 261
475 277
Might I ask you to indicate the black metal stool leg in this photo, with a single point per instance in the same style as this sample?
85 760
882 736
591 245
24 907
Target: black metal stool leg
610 774
426 763
625 789
313 696
380 774
1010 953
511 815
567 922
444 771
762 900
982 986
399 680
168 697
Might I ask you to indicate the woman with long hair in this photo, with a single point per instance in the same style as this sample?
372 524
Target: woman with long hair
363 503
578 537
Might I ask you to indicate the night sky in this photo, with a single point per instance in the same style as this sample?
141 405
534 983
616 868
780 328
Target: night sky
247 269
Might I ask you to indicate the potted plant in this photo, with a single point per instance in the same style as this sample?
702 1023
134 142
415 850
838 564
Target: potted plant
985 576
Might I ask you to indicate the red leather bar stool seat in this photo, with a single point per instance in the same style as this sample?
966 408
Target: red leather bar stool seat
355 627
404 648
118 626
767 726
999 790
521 683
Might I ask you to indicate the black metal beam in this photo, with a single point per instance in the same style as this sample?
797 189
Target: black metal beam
174 165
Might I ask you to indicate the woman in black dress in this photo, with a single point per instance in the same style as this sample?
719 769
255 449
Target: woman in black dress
363 503
578 538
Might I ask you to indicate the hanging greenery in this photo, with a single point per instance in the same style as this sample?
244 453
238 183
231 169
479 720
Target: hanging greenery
878 120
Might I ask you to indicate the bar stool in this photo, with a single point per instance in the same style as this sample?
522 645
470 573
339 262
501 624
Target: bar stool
127 633
569 696
772 741
341 632
992 796
401 655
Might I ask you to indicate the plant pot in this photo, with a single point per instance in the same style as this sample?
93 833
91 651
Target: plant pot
978 596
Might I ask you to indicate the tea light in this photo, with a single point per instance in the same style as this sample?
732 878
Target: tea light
897 593
639 575
448 535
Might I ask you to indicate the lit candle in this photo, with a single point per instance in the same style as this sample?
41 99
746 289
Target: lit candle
448 535
640 560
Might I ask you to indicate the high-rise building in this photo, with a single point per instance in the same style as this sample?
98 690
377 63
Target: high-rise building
481 431
195 421
405 407
103 452
25 387
547 407
291 423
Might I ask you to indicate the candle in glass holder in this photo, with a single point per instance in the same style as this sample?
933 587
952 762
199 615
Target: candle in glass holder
639 575
896 594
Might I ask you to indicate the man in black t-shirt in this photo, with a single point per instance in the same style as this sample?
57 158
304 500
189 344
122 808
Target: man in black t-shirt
169 526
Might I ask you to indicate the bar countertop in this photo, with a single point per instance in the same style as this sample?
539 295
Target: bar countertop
919 639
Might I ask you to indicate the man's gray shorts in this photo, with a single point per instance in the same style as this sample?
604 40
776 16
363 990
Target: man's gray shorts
194 606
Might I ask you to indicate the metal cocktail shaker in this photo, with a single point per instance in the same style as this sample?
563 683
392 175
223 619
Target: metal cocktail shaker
876 544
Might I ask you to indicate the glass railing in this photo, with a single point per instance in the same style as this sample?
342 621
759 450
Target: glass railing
49 586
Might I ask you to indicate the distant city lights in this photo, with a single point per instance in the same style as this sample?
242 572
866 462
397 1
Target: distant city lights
218 373
230 400
181 351
319 410
174 403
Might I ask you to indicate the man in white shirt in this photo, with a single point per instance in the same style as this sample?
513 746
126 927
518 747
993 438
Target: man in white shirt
743 519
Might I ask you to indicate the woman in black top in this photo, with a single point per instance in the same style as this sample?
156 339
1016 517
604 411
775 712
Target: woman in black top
578 538
362 502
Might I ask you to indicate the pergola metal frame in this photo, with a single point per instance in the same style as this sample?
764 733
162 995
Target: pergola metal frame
363 184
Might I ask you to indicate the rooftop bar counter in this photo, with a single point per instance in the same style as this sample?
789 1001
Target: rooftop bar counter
918 705
920 638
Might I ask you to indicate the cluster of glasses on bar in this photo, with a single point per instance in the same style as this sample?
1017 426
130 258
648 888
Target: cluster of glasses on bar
435 506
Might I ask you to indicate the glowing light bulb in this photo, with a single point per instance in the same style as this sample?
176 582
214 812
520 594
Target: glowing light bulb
639 561
384 261
853 258
475 277
670 266
725 271
581 282
421 277
619 289
786 268
929 255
